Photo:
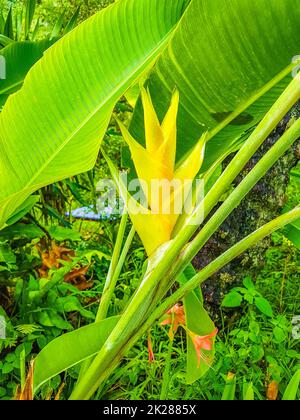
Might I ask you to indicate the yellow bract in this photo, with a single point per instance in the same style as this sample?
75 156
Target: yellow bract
155 165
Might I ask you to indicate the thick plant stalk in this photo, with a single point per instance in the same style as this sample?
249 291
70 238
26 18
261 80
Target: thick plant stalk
143 300
108 288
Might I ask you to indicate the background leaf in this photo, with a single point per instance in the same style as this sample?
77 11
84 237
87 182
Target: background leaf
264 306
72 348
19 57
290 393
292 232
222 61
198 321
232 300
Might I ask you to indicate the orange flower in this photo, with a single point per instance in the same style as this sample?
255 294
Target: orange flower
176 317
203 342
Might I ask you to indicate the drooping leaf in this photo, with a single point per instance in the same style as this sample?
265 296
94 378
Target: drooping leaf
20 230
30 9
64 107
60 234
72 348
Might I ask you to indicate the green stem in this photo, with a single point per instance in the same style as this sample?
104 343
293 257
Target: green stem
134 316
166 374
199 278
262 167
115 268
223 260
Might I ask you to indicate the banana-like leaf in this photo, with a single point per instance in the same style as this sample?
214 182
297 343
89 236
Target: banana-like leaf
230 60
73 347
52 128
19 58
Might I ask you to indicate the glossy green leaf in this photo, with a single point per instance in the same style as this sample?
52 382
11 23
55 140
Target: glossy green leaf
290 393
72 348
65 105
232 300
222 60
4 41
229 389
19 57
292 232
198 322
73 21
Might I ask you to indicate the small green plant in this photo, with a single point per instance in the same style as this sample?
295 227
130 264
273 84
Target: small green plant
248 294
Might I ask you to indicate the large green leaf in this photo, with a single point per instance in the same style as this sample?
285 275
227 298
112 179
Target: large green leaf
52 128
290 393
19 57
70 349
230 61
292 232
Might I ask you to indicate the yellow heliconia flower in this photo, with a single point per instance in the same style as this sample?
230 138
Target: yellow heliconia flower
155 163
